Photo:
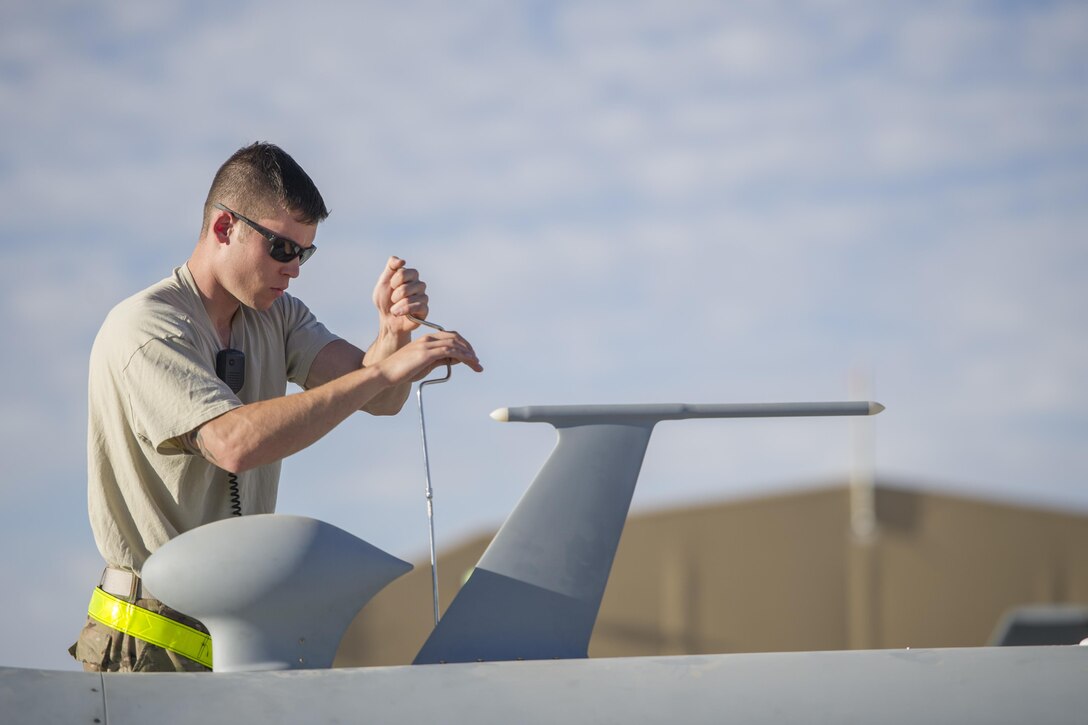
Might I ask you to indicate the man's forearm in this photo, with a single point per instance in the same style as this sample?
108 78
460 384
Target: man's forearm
390 400
267 431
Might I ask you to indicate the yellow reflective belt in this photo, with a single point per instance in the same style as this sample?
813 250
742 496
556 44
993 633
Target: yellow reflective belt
150 627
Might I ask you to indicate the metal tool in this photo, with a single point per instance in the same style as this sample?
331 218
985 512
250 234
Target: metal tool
427 463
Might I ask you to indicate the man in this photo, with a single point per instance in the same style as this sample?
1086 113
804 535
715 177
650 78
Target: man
188 412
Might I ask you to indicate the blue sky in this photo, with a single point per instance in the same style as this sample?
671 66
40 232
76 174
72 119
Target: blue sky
615 201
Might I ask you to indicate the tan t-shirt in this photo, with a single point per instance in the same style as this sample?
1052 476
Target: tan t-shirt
152 379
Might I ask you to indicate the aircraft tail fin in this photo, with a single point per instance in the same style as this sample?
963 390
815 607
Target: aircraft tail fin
537 589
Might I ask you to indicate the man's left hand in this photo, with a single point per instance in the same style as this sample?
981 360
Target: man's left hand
400 293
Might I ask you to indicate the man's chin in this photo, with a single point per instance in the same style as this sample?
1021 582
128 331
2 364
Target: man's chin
262 304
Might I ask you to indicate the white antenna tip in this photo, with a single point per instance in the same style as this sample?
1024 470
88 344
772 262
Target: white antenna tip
875 408
501 414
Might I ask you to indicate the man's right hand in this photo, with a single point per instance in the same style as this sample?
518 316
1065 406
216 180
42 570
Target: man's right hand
416 360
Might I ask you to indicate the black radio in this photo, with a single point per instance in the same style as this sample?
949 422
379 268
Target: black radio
230 366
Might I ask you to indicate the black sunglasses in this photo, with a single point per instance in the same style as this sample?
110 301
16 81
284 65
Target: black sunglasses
280 248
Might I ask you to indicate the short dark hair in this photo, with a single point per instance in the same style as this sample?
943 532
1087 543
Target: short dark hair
261 179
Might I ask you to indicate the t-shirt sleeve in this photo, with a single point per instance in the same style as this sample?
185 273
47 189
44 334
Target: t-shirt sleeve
170 390
305 337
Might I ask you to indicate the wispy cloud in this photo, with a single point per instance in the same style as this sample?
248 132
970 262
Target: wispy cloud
615 201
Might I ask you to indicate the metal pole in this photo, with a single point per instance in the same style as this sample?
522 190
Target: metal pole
427 467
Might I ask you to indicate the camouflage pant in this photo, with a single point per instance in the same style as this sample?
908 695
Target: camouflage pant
104 649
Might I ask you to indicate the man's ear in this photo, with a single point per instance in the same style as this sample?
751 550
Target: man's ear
221 224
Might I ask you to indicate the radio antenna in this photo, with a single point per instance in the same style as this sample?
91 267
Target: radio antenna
427 464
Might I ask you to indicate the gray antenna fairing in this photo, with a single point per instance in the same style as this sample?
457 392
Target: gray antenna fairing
276 592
